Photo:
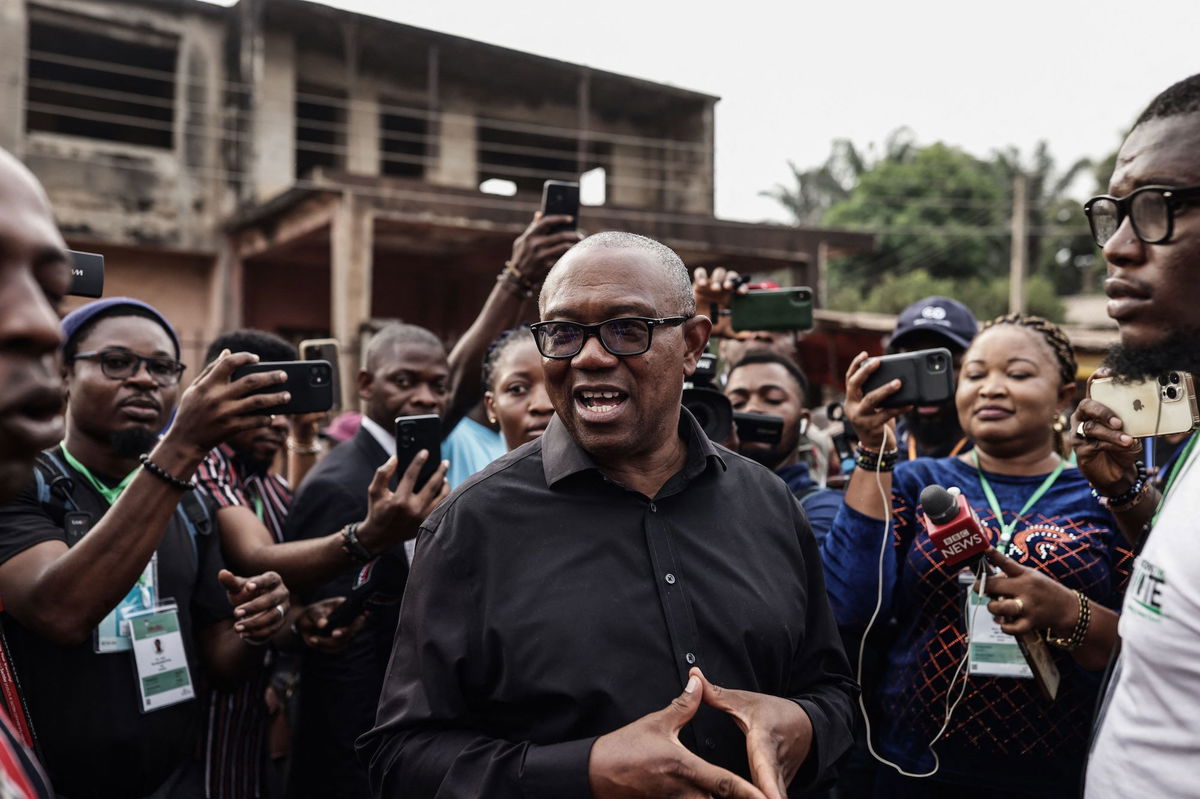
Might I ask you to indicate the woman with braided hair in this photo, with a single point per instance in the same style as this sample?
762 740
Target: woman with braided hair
1062 576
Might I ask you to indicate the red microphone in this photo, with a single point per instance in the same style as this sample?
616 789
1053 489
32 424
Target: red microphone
953 526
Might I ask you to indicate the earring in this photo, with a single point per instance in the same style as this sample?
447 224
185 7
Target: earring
1057 424
492 419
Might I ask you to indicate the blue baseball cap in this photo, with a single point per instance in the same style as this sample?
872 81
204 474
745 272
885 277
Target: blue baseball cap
72 322
939 315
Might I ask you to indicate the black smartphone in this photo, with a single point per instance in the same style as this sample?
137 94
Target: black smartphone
758 427
772 309
413 434
926 377
561 197
87 274
325 349
310 383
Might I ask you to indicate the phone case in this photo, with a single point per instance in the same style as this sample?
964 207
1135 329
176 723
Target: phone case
413 434
772 309
310 383
561 197
1144 407
325 349
926 377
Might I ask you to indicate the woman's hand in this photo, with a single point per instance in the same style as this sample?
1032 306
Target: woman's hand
1024 599
875 426
1106 455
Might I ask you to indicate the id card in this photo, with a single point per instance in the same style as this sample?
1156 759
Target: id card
162 669
991 651
112 635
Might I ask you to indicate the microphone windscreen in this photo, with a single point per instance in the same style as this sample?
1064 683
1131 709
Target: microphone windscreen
939 504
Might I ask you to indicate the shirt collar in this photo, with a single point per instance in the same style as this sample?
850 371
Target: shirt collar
386 440
563 457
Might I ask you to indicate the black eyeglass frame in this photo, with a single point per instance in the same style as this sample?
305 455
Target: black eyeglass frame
98 355
594 330
1173 196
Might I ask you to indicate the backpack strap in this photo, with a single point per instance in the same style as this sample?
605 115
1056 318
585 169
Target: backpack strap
54 483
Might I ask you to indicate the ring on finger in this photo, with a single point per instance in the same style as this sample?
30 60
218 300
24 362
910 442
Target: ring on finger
1020 606
282 612
1080 433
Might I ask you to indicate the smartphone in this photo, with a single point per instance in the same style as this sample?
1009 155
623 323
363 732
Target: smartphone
413 434
87 274
773 309
325 349
1150 408
758 427
561 197
310 383
926 377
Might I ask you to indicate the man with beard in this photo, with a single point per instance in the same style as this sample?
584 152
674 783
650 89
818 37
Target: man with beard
34 277
1147 740
768 383
97 539
933 430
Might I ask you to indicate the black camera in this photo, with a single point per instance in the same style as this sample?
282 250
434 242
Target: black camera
711 408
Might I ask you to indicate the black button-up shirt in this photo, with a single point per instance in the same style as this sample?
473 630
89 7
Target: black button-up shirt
548 605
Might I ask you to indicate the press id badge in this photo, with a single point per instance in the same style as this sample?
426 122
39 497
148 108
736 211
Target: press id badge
112 635
163 676
991 651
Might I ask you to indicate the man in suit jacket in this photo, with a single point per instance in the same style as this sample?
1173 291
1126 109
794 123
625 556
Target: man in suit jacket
405 374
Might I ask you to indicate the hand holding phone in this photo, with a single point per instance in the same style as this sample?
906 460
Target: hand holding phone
561 198
926 378
1160 407
309 382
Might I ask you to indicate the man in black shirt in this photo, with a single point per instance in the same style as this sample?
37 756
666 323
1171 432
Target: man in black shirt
561 599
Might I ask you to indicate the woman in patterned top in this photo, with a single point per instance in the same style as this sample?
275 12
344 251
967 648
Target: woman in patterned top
1063 574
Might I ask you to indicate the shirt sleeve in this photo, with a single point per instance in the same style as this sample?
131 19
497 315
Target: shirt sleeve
821 680
217 480
422 744
821 508
24 523
852 550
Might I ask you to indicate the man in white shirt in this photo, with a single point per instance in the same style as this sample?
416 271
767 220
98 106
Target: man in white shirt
1147 738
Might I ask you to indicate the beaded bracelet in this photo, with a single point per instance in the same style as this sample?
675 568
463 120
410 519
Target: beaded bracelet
164 475
513 276
1128 498
352 546
1079 632
873 461
303 449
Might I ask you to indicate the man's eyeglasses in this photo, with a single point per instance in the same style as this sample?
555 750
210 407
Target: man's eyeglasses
119 364
1151 211
624 336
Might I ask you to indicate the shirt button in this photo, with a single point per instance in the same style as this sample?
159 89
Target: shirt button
690 658
653 508
710 743
670 578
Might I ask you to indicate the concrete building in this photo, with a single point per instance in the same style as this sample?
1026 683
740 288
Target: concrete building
302 169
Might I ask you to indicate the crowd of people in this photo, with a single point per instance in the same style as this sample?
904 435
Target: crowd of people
588 595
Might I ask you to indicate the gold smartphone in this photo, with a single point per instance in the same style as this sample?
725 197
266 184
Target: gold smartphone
325 349
1157 407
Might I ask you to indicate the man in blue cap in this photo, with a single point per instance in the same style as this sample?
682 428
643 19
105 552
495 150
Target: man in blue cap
109 550
933 430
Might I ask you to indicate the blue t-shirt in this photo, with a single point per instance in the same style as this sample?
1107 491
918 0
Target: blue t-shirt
1003 734
820 505
470 447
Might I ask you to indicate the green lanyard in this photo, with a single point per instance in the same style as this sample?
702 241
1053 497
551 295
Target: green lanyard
1176 470
258 507
110 494
1007 530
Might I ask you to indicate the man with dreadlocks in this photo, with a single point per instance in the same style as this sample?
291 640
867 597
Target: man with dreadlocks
1063 574
1148 737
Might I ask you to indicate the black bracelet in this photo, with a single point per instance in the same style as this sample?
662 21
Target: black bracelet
352 546
164 475
1125 500
875 461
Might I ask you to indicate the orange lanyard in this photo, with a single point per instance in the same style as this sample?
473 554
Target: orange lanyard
912 448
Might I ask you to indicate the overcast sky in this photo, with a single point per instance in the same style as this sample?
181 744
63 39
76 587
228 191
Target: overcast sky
795 74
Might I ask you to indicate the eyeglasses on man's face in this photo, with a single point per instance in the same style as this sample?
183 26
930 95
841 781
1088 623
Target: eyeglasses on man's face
1151 211
121 364
624 336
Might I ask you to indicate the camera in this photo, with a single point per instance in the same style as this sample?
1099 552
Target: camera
705 401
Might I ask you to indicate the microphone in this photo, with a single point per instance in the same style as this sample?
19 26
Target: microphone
953 526
379 582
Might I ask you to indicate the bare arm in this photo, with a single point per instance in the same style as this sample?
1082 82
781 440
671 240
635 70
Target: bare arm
61 593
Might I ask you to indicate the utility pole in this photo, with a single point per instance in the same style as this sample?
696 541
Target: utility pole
1020 246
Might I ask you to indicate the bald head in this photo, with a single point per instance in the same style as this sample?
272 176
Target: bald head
17 181
654 252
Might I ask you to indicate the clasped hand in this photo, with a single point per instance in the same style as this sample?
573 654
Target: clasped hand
646 759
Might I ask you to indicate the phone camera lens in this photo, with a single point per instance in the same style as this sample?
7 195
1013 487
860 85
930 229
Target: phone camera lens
1172 393
1162 380
1175 378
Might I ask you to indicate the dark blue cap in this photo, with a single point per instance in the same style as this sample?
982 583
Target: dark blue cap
76 319
939 315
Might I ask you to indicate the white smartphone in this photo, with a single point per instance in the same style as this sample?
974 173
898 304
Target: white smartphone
1150 408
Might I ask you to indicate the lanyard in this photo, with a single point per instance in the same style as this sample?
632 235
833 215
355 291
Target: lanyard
1176 470
1007 530
258 507
110 494
912 447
